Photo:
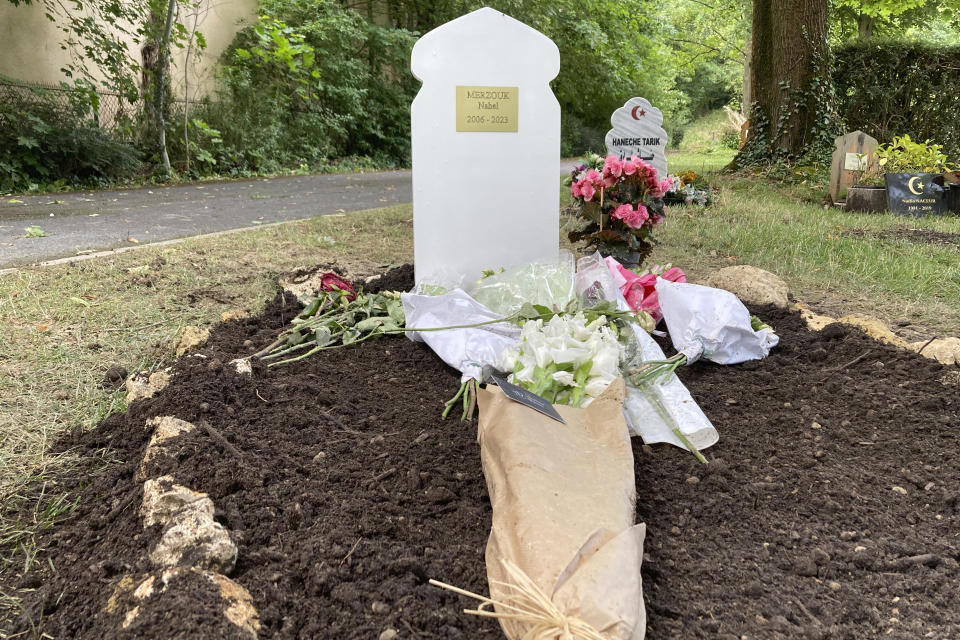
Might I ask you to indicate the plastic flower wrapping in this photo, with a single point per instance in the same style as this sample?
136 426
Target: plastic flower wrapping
567 360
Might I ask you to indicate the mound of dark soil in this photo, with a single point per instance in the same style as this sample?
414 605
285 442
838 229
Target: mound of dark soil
829 509
916 236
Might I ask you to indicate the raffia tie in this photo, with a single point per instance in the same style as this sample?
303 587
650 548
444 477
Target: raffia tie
526 603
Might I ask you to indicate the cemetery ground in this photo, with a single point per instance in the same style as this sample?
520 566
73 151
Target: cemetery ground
827 510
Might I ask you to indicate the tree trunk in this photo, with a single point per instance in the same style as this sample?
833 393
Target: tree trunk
163 62
790 38
864 27
747 78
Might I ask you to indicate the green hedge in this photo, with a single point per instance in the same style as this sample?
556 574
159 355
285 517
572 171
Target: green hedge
892 88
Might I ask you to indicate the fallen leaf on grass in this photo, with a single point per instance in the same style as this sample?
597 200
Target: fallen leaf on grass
33 231
43 327
133 240
80 301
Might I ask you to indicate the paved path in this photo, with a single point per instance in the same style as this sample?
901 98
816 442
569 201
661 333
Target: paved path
84 222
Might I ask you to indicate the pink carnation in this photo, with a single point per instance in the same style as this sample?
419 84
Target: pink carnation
575 189
629 167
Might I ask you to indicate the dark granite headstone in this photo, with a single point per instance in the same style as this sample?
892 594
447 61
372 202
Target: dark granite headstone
916 194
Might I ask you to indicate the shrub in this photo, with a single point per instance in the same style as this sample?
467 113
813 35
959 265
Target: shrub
309 82
890 89
45 139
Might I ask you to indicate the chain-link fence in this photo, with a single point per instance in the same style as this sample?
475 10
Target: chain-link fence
109 110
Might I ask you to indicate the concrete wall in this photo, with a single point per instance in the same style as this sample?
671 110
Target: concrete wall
30 43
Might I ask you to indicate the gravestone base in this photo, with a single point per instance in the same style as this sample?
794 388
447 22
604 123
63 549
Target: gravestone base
868 199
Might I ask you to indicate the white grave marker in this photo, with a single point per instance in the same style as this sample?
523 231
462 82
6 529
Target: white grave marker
638 130
485 147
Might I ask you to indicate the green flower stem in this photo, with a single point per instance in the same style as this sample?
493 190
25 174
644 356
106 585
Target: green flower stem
327 348
654 370
452 401
297 347
653 397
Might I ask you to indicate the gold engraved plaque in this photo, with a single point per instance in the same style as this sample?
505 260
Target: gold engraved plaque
487 108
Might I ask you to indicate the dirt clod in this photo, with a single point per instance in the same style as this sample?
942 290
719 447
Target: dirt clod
114 377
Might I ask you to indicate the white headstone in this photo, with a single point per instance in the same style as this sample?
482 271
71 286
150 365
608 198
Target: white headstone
638 130
485 147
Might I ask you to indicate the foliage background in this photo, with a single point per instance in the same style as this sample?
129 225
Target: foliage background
317 85
888 88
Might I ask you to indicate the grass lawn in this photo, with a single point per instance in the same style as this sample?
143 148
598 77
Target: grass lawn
64 326
900 269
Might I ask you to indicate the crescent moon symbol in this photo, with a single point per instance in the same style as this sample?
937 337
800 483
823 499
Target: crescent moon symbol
913 189
634 112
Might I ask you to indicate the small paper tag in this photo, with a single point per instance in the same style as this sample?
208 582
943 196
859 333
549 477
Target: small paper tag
532 400
855 162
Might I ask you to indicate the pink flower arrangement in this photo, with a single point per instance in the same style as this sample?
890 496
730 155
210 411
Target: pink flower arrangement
621 200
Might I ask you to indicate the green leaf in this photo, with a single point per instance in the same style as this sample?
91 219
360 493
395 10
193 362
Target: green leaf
395 311
528 312
544 312
370 324
322 336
